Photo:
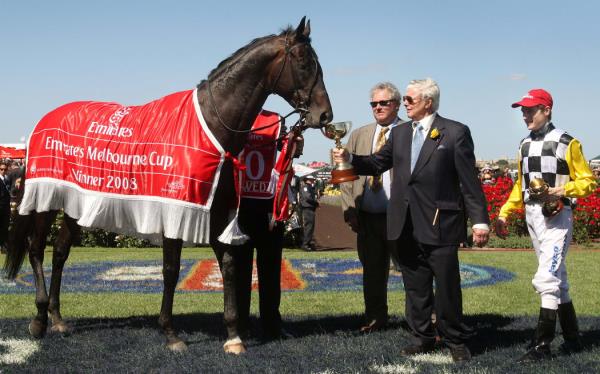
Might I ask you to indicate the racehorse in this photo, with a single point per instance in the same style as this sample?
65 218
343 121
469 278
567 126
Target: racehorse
231 98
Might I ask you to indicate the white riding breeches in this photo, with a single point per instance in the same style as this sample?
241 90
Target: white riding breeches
551 237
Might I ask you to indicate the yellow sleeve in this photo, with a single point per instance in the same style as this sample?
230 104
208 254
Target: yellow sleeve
582 181
515 199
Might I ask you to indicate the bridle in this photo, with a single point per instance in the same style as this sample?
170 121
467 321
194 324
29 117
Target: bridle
300 105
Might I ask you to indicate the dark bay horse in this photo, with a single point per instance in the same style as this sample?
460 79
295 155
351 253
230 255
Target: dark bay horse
231 98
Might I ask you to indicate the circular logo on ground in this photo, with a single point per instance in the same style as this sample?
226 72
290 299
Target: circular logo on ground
204 276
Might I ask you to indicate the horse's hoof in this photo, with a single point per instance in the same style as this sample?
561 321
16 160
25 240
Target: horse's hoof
177 347
61 328
37 329
234 346
235 349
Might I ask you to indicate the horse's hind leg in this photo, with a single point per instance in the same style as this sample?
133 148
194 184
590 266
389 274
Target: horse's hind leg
42 222
171 264
68 233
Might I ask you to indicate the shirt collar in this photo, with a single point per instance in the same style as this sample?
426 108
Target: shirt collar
427 121
541 133
390 126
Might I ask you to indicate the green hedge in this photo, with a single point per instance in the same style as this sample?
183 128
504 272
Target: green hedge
512 241
98 237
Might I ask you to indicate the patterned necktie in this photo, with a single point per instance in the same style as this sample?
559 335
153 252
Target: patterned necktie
417 142
375 181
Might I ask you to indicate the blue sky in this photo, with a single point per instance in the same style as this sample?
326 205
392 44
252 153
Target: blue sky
484 55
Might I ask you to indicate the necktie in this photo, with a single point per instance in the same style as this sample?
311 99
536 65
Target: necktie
417 142
375 182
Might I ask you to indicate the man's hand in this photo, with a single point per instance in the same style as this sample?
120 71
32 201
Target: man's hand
299 139
352 221
501 229
480 237
553 194
341 155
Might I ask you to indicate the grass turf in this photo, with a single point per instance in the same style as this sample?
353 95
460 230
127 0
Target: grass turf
118 331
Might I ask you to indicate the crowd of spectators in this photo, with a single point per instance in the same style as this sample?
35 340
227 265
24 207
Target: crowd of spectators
11 173
15 172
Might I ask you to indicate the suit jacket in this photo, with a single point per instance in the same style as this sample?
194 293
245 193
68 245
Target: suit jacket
5 190
442 189
360 142
308 196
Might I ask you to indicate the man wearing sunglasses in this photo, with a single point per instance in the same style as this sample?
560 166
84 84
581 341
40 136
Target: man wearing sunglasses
5 184
435 189
556 157
365 203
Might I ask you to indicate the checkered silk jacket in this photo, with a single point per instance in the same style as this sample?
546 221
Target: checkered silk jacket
543 155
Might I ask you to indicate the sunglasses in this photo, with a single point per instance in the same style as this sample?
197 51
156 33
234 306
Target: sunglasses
410 100
381 102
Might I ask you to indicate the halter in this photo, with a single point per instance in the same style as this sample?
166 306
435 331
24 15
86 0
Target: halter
299 104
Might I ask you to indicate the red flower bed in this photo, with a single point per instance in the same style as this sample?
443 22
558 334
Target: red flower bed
496 195
586 216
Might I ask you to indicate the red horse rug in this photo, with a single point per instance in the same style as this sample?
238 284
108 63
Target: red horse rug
151 169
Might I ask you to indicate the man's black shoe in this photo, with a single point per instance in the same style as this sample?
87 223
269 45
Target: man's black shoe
570 347
460 353
415 349
535 354
308 249
374 325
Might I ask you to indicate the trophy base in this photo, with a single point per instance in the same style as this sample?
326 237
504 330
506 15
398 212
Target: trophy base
341 176
553 208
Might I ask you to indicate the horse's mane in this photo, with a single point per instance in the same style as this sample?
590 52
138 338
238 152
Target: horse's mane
240 52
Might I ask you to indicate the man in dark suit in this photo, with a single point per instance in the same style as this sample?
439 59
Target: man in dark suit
435 188
309 203
5 184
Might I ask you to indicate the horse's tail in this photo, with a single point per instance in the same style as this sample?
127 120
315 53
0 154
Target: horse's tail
18 238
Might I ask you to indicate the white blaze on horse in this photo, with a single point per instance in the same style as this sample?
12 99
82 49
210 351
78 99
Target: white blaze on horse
161 170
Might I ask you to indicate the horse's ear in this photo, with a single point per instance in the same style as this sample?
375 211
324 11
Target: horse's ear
303 29
307 29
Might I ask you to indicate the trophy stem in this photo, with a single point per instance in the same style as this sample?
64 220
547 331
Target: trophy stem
342 172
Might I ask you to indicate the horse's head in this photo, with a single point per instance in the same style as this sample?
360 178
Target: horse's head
296 76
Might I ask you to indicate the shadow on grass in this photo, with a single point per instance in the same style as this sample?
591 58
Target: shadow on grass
320 344
492 331
495 331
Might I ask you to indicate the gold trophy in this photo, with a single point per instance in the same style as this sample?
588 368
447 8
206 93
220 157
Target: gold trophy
343 171
538 188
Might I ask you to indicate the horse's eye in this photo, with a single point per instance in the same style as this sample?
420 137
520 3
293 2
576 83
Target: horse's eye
304 60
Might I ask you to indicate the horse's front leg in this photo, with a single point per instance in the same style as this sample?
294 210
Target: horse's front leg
68 233
226 260
42 221
171 264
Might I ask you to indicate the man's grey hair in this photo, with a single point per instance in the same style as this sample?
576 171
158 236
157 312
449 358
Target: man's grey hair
390 87
428 89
